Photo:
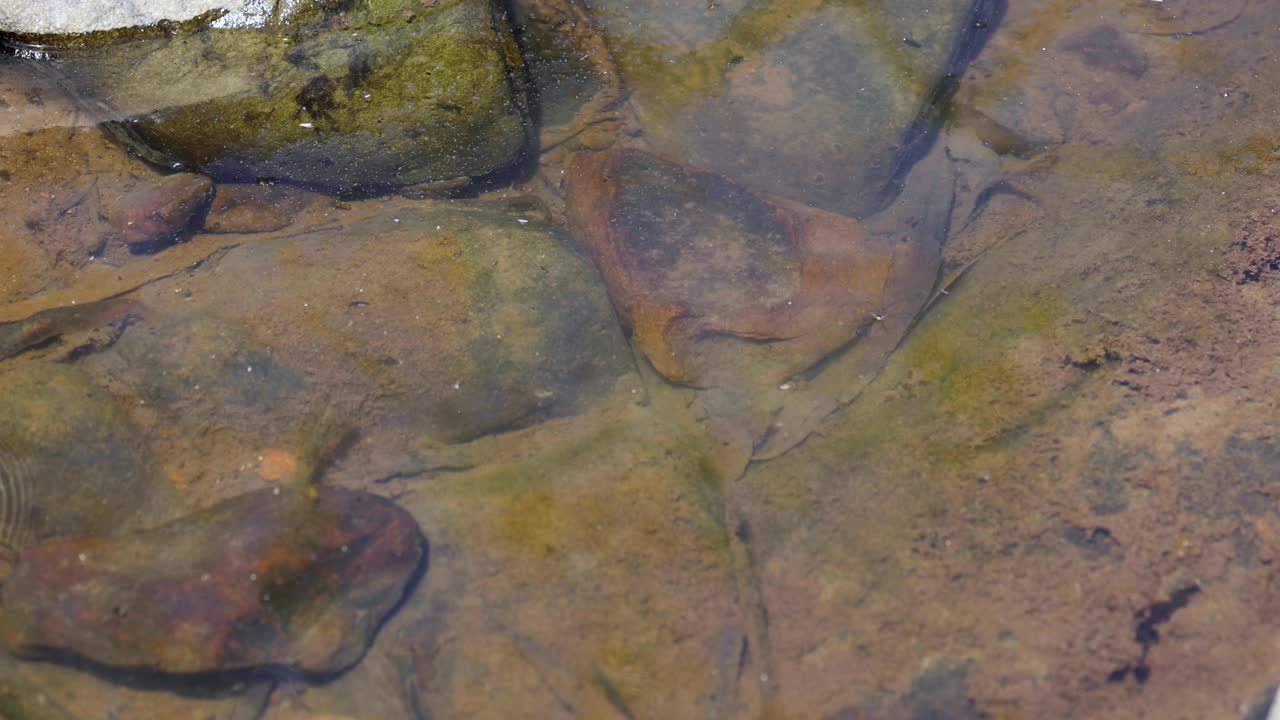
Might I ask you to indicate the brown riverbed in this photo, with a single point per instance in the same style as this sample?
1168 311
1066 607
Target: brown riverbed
1050 493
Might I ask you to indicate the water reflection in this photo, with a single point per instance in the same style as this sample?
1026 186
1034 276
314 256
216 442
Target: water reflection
779 358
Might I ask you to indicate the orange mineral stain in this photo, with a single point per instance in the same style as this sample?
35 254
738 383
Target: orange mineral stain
276 465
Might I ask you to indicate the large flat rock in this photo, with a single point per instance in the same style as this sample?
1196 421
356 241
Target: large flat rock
445 322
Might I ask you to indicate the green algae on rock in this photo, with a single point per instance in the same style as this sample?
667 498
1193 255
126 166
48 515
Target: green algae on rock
586 561
824 102
735 280
384 94
21 699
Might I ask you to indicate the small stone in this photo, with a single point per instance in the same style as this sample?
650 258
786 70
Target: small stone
159 210
1106 48
278 592
276 465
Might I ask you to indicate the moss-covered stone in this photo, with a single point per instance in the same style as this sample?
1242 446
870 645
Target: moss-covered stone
387 93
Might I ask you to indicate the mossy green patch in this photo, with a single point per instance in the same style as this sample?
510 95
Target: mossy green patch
983 375
957 384
381 96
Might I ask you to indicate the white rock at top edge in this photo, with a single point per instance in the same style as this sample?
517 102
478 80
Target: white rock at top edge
59 17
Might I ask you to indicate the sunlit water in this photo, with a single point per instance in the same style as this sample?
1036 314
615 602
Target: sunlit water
777 359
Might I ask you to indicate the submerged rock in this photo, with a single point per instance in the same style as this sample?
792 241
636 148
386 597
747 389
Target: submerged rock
159 209
444 322
73 460
269 578
349 98
719 284
253 208
824 102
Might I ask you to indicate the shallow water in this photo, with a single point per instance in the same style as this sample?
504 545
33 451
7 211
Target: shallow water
785 359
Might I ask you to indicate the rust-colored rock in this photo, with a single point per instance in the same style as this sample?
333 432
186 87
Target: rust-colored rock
159 209
239 208
280 578
715 282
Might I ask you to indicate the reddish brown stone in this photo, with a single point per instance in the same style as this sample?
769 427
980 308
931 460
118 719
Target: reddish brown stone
708 275
272 578
159 209
238 208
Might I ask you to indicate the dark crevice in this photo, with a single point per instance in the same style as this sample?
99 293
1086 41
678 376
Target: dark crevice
1147 634
923 131
418 473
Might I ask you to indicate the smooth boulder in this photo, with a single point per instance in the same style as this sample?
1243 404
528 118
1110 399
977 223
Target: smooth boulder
438 321
723 286
294 578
